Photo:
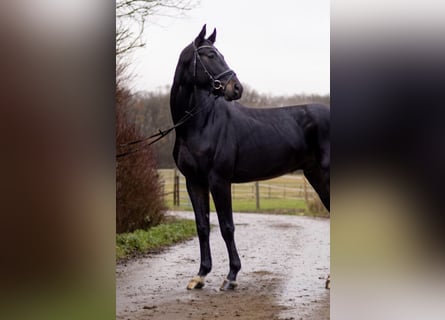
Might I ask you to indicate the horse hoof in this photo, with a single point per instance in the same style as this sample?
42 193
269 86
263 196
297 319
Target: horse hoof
228 285
197 282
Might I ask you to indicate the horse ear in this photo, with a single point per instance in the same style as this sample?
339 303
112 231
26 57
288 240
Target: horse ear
201 35
212 37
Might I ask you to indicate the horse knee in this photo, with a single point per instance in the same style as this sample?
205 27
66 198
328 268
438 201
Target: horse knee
203 231
227 232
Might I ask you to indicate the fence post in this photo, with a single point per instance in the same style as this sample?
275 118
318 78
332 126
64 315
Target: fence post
176 188
257 194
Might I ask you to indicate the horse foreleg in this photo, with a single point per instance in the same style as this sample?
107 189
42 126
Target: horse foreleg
199 195
221 192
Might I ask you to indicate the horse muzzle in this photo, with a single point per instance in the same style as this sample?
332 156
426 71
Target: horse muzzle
233 89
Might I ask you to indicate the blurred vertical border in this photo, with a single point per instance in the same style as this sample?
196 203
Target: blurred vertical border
57 228
388 158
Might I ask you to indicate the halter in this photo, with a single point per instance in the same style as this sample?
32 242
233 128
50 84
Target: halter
215 80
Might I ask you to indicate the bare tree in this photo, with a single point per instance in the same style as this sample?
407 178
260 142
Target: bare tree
139 202
132 16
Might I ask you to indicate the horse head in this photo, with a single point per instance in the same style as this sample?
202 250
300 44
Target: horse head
203 66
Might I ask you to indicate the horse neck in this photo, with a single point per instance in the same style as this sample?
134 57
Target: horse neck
184 99
180 98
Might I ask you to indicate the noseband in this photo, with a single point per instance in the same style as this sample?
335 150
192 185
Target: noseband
214 80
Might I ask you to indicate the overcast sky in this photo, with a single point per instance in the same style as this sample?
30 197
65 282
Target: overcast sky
277 47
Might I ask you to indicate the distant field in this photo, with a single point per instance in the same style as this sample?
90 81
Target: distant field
286 194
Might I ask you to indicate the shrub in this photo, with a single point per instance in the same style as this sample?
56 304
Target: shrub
139 199
316 207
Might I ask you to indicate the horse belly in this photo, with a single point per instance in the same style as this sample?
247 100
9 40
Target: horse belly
268 162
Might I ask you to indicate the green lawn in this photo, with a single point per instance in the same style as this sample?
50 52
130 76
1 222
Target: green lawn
283 206
288 206
285 195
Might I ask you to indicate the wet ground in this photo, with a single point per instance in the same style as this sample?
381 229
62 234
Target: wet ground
285 260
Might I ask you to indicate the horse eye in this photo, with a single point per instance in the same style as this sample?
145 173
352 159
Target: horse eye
211 55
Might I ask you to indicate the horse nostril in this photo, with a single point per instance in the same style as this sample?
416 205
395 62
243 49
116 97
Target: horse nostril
238 89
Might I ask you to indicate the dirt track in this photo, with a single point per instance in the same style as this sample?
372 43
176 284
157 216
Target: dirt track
285 260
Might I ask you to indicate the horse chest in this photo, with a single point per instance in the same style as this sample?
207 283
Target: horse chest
192 157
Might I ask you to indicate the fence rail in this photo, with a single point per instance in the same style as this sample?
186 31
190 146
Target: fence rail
287 187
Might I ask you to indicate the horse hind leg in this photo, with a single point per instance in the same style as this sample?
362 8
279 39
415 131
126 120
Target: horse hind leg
317 171
319 179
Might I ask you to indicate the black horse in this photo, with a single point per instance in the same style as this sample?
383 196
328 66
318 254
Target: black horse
220 142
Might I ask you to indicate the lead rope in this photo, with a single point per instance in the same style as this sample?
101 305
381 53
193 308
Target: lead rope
162 133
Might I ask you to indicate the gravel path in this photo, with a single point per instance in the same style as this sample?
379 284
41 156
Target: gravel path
285 260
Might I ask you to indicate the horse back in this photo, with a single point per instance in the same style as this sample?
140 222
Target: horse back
275 141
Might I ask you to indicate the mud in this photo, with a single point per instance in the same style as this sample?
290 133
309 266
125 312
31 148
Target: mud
285 260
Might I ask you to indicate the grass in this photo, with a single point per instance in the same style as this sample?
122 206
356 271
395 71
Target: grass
154 239
281 206
282 195
284 206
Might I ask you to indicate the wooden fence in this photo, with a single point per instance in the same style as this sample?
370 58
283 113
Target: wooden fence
287 187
